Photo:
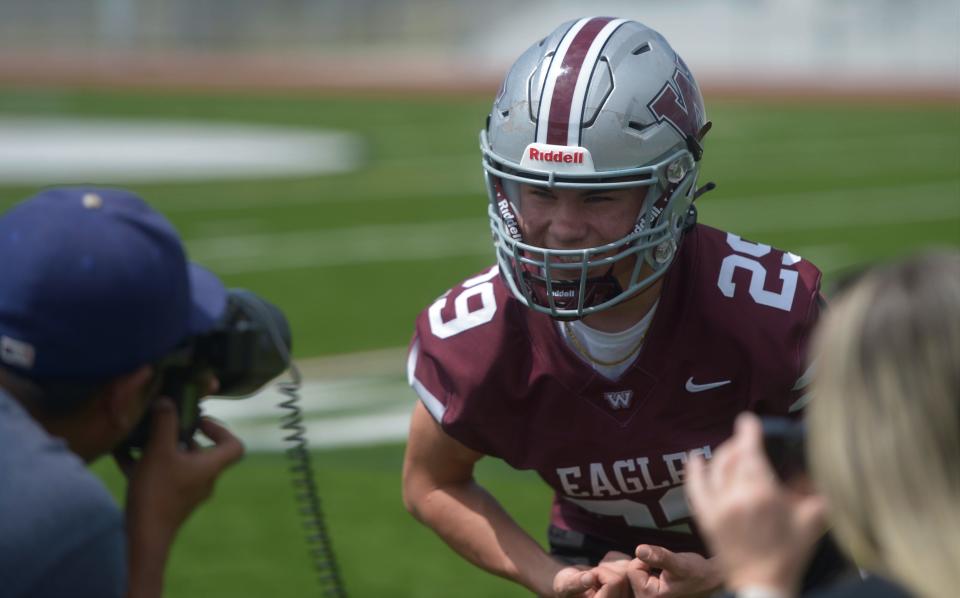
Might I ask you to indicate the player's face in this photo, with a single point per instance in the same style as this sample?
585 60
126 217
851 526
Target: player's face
577 218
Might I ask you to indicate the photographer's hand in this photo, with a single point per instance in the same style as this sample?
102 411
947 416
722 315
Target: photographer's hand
762 531
165 486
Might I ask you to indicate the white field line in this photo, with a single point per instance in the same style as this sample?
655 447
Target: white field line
352 399
385 170
51 150
366 430
343 246
735 132
847 209
842 208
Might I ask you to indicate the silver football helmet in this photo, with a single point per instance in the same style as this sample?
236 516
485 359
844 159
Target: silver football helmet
600 103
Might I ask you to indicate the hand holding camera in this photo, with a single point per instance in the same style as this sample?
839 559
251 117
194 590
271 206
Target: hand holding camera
167 484
247 347
759 526
169 474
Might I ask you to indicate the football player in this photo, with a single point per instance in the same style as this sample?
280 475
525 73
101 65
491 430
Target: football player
614 337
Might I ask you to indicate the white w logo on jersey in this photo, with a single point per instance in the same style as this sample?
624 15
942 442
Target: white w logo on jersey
620 399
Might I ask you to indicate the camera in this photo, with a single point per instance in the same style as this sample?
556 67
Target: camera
784 442
247 348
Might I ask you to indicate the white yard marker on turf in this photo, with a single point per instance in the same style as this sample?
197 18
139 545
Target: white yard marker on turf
352 399
35 150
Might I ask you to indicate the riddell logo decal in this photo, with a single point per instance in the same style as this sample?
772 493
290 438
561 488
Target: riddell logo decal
555 156
509 220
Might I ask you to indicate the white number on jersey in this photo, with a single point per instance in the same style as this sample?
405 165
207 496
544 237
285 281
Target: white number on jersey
758 274
464 319
635 514
673 504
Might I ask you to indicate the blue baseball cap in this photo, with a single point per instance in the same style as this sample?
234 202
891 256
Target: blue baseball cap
94 283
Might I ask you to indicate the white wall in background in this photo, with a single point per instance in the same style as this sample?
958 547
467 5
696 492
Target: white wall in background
846 41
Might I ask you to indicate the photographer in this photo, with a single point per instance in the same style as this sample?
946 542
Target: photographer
883 446
95 292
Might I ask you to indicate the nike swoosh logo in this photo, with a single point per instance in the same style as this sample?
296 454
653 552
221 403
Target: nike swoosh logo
691 387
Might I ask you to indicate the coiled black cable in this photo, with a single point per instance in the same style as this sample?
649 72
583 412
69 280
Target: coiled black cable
301 468
305 485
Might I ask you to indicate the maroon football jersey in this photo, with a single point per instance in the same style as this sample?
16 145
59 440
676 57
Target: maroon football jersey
729 334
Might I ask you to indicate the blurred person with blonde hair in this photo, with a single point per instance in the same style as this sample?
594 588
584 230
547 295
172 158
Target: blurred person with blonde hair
883 447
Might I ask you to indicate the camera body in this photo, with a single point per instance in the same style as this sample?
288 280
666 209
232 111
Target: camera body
248 347
784 442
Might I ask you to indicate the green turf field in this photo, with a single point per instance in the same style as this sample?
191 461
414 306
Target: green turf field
840 184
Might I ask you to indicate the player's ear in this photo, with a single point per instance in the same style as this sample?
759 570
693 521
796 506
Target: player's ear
124 399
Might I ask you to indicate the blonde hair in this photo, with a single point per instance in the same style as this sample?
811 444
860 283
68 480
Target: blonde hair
884 424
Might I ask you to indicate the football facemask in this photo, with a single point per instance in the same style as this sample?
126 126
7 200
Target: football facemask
572 283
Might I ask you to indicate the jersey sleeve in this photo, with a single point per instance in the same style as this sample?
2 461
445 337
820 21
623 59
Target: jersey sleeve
789 396
427 378
783 361
766 302
455 362
799 394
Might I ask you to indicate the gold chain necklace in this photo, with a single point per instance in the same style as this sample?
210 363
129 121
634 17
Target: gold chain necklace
572 335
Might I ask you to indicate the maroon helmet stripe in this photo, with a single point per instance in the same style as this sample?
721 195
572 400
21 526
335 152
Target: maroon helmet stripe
563 89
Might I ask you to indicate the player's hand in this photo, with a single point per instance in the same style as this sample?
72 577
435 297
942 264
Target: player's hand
169 481
573 582
681 574
607 580
763 532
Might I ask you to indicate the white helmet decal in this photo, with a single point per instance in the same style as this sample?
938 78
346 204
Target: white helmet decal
565 85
